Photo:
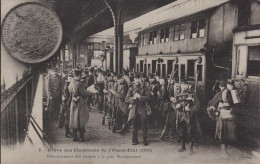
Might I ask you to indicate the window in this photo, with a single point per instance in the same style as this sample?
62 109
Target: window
169 66
142 40
202 24
164 35
199 70
145 69
176 68
244 12
152 37
154 66
182 71
182 31
253 61
179 32
137 68
149 68
159 69
198 28
141 66
163 69
190 70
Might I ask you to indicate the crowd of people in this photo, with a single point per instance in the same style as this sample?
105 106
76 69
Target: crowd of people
131 101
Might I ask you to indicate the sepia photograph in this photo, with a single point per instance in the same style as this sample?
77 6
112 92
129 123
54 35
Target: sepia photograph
130 82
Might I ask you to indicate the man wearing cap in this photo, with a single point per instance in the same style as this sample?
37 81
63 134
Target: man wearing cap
100 87
54 92
187 105
112 91
225 126
154 103
79 110
122 105
139 97
66 100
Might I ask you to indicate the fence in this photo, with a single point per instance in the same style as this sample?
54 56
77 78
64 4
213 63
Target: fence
16 106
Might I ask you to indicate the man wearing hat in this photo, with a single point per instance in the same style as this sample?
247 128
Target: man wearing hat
122 105
66 100
226 126
54 92
113 85
79 110
187 105
154 103
138 97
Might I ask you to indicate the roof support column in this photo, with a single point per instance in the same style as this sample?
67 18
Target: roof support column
116 12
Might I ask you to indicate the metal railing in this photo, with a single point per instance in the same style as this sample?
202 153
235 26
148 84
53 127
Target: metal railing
16 107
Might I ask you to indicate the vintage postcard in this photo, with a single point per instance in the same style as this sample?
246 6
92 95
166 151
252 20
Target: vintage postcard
130 81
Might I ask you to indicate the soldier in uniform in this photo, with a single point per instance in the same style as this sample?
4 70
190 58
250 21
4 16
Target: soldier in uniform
66 100
79 110
226 123
113 90
90 81
154 103
139 97
106 97
122 105
54 92
187 105
100 87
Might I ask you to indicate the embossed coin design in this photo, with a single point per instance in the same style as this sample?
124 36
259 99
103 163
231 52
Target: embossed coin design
31 32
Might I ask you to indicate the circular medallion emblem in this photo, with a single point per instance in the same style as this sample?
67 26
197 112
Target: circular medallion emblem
31 32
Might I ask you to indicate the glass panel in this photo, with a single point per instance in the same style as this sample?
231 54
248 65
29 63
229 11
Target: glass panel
176 68
145 69
159 69
182 71
141 66
169 66
177 32
154 66
190 70
253 66
163 70
194 29
199 68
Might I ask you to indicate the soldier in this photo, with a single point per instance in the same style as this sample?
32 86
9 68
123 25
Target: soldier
154 103
66 100
100 87
106 97
79 110
122 105
225 126
90 81
113 90
54 92
187 105
139 97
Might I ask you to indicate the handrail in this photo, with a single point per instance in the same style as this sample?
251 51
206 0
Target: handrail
12 91
16 105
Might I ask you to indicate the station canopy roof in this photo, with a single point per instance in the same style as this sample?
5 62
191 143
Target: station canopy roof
87 17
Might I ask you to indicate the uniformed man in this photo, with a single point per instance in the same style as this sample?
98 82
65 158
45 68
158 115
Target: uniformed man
66 100
122 105
226 120
79 110
154 103
100 87
187 105
139 97
54 92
